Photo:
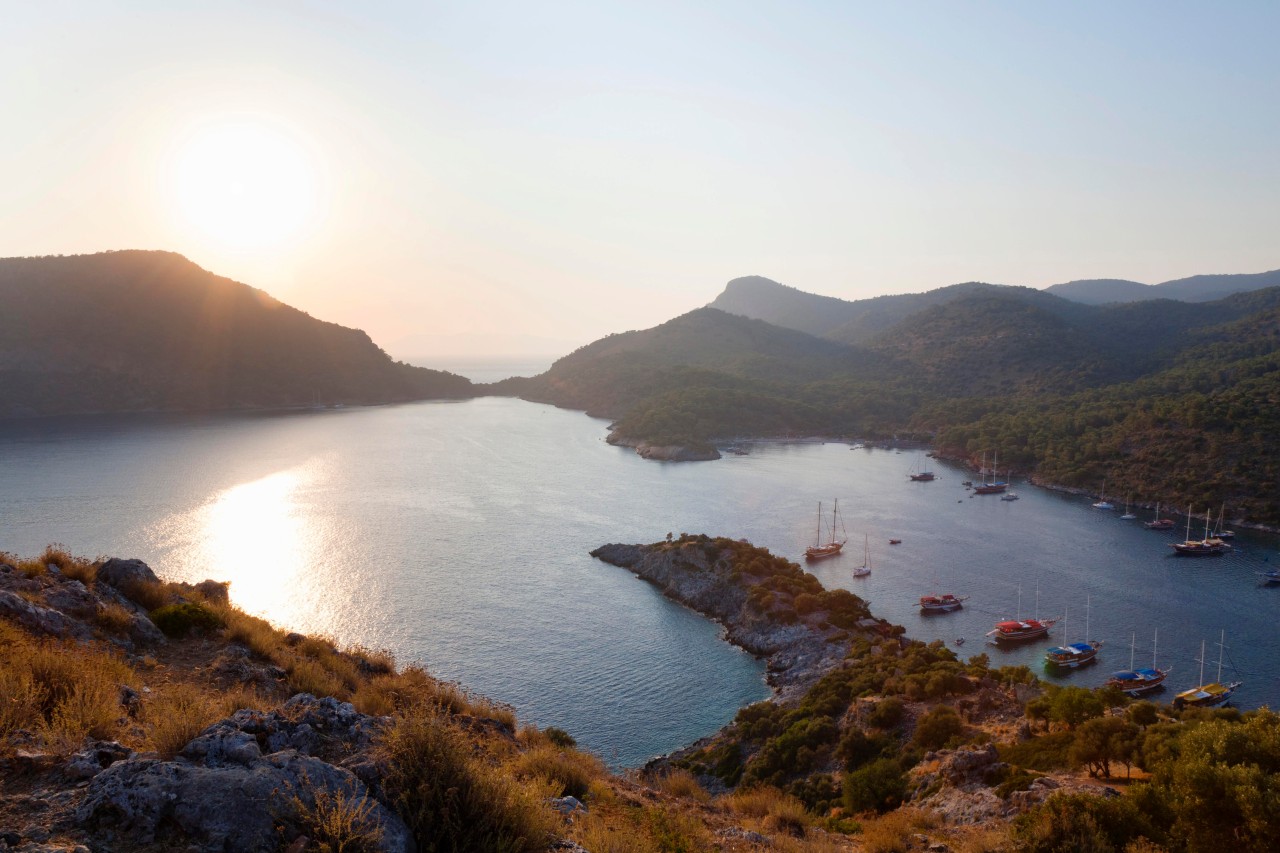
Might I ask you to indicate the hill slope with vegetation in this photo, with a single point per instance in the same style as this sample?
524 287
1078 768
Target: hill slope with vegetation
1171 401
136 331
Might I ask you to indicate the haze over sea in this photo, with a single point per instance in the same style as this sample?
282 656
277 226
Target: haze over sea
457 535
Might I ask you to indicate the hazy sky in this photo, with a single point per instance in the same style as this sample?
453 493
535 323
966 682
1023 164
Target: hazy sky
535 175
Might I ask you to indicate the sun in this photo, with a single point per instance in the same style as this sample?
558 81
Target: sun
246 183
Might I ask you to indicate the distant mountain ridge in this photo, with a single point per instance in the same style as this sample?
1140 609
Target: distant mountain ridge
859 321
144 330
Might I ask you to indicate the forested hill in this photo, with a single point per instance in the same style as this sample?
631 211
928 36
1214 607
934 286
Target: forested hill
1197 288
862 320
136 330
1171 401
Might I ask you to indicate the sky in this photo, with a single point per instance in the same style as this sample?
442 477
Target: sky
504 179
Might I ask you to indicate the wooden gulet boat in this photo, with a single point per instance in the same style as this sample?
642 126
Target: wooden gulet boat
1208 695
945 603
1074 655
1021 630
1136 682
819 549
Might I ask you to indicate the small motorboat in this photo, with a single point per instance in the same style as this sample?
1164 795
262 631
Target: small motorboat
895 541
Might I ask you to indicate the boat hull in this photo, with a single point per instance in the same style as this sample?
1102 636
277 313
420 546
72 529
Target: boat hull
1020 632
818 552
1206 548
1136 683
1071 657
940 604
1206 696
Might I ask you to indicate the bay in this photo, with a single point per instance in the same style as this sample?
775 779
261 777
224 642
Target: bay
457 536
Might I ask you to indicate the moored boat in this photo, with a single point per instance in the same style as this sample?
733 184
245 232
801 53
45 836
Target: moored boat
1218 531
1158 523
1138 681
944 603
994 485
1073 655
865 569
1270 576
819 549
1103 503
1019 630
1211 695
1206 547
1128 516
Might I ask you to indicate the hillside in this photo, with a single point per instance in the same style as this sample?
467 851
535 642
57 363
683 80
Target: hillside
1197 288
860 321
136 331
1170 400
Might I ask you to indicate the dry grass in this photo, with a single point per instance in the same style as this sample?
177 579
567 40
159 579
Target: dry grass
177 715
113 619
443 789
891 832
680 783
340 822
570 771
61 692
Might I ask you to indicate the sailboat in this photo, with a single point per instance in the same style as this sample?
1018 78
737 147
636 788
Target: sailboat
1128 516
1158 523
994 485
1103 503
819 549
1018 630
1208 695
1138 681
1218 532
1200 548
865 569
1073 655
920 476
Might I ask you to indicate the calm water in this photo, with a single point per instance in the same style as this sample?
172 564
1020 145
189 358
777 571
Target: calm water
457 535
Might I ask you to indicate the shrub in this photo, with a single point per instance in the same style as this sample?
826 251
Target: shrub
339 821
179 620
887 713
113 618
571 772
877 786
940 727
681 783
452 801
1047 752
177 715
559 737
857 748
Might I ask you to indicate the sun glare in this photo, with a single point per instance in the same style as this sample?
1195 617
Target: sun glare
246 184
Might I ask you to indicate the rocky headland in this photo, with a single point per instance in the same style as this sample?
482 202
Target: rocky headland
665 452
747 591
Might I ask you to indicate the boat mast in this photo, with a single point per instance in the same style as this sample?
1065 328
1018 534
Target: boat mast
1188 522
817 539
1202 663
1221 649
1086 617
1133 644
834 509
1154 641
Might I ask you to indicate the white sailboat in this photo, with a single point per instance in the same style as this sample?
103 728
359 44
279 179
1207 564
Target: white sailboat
865 569
1128 516
1208 695
1103 503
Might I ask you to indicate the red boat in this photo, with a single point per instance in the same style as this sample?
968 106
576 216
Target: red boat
1015 631
942 603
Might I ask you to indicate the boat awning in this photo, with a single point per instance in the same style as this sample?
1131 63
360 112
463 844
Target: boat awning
1058 650
1080 648
1127 675
1148 673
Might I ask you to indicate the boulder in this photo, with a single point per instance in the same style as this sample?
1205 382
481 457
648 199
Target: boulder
245 783
94 758
123 574
40 620
214 591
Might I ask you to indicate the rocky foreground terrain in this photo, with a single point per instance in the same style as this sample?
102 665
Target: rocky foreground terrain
139 715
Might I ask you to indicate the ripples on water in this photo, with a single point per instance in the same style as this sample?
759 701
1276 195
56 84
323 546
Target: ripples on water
457 535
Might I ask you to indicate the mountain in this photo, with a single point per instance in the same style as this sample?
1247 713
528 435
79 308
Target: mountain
860 321
825 316
139 330
1197 288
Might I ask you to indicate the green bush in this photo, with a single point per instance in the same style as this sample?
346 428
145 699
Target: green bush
887 713
179 620
878 786
940 727
560 737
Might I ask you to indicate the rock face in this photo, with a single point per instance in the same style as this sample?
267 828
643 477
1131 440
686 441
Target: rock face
798 654
122 574
245 783
55 605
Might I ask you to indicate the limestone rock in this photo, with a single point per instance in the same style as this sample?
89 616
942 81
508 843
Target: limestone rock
40 620
123 574
245 783
94 758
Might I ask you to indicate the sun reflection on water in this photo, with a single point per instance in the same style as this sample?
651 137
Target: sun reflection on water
262 537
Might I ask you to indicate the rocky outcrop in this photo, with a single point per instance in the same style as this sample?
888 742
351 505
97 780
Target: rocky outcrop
246 783
55 605
123 574
797 654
